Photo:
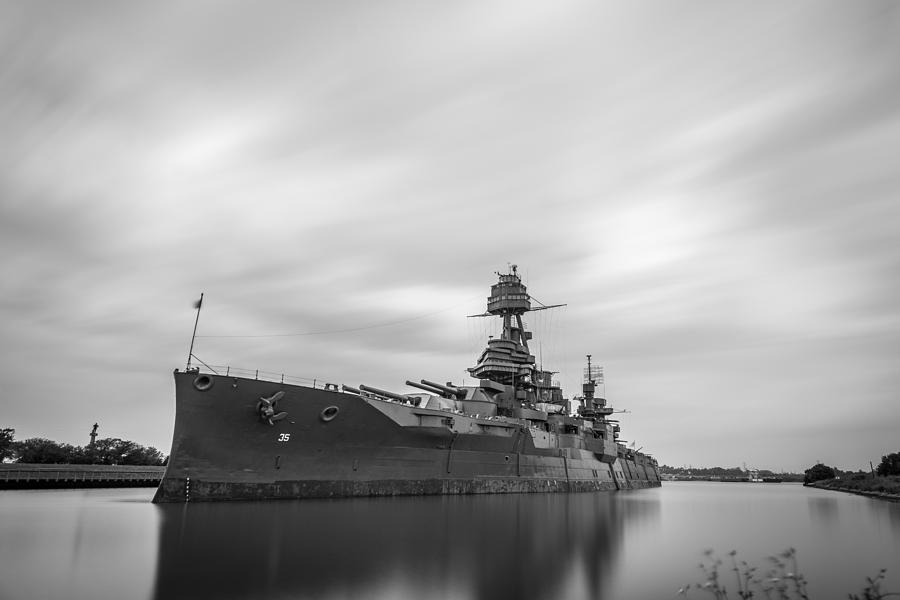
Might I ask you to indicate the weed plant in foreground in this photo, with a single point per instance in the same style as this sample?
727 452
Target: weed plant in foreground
782 581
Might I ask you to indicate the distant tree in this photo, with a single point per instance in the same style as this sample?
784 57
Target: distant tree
143 455
817 473
105 451
890 465
116 451
7 443
42 450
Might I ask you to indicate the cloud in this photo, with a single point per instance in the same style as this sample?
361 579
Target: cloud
710 189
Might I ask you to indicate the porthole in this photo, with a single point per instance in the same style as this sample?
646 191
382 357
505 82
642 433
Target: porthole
203 382
329 413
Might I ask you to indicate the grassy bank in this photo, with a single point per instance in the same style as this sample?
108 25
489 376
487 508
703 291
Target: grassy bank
882 487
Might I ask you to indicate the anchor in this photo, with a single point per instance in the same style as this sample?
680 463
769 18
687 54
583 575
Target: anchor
265 408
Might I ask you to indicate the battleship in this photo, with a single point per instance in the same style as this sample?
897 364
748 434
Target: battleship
247 437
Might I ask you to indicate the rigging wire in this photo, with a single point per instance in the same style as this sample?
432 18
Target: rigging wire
536 300
347 330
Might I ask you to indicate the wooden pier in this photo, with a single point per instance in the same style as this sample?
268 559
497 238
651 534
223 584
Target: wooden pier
16 476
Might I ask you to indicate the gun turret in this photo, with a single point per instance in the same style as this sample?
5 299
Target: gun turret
427 388
446 389
350 389
385 393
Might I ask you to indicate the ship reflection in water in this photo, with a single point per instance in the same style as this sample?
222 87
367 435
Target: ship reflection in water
513 546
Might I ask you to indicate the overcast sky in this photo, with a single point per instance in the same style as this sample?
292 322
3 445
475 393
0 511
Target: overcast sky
712 188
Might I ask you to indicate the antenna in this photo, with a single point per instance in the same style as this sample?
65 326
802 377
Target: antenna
198 304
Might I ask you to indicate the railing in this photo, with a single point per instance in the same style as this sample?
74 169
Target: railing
31 475
229 371
64 475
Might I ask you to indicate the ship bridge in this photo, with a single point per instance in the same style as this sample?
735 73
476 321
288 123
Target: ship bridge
508 360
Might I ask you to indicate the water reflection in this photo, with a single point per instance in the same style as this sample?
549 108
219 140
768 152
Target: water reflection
824 510
76 544
535 546
893 511
89 544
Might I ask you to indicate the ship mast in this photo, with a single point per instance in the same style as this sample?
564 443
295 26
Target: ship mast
198 305
593 406
508 360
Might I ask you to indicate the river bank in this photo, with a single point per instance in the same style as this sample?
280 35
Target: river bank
885 488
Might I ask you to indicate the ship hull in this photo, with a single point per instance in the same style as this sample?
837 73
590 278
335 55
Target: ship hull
335 444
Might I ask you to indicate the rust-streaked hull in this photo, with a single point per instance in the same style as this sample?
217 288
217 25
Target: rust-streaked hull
222 450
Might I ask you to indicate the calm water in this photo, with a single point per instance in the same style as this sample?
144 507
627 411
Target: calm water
97 544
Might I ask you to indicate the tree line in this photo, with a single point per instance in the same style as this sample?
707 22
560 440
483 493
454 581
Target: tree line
889 465
105 451
721 472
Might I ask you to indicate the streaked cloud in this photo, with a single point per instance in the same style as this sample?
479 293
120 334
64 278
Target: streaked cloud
711 189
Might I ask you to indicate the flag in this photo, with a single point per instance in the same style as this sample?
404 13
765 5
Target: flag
199 302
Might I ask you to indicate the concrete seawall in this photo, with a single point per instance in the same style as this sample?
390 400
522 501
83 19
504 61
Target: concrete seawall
40 476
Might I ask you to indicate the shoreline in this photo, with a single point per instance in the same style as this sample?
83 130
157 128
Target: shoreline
823 485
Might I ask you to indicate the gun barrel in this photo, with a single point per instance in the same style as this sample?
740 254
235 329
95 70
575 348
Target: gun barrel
384 393
350 389
446 389
426 388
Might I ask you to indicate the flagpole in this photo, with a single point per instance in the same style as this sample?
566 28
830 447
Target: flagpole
194 335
